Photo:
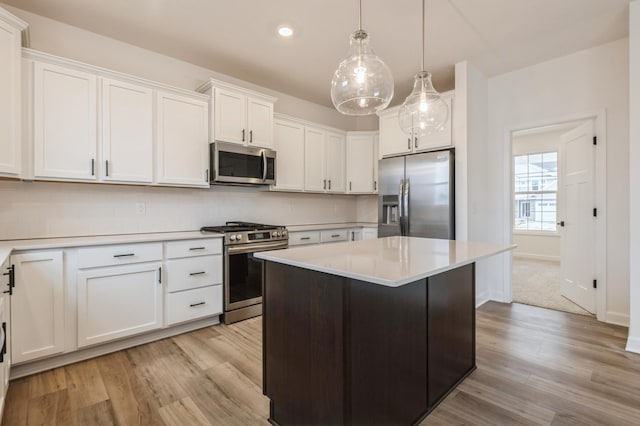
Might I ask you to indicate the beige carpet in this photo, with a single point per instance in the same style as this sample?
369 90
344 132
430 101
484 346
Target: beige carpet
537 282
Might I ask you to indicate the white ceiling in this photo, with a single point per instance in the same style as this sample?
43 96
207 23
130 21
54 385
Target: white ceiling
239 38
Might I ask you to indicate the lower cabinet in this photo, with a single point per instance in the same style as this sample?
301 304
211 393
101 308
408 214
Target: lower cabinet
192 304
37 306
5 350
118 302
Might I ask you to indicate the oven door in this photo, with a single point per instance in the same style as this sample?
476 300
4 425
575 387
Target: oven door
239 164
243 274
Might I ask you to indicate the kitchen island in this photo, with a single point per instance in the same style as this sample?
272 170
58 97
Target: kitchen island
368 332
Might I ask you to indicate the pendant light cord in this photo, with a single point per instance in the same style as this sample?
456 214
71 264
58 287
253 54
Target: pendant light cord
423 19
360 16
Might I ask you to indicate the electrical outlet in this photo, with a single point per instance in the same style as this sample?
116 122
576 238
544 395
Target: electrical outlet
141 208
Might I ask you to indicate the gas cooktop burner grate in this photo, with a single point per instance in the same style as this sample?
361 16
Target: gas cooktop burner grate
239 227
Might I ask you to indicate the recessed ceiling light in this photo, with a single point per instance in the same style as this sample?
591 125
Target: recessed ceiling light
285 31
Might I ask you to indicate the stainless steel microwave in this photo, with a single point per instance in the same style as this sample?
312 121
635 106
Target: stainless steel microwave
238 164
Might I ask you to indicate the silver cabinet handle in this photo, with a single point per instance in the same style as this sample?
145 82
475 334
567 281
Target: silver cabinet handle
124 255
408 143
329 184
349 186
197 273
416 139
206 175
160 275
193 305
375 185
250 136
106 167
324 184
305 238
335 235
197 248
242 135
93 167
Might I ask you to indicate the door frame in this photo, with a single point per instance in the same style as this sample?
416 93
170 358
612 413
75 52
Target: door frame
600 251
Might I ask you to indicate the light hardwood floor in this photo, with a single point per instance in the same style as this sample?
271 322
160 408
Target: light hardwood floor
535 366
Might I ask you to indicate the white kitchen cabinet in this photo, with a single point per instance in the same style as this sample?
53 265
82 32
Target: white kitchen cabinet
118 301
355 234
362 163
37 306
64 127
314 160
304 238
240 115
393 141
289 146
10 94
335 162
182 145
127 132
6 278
369 233
334 235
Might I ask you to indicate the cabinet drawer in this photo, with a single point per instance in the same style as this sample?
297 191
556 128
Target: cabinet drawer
192 304
175 249
122 254
188 273
300 238
331 235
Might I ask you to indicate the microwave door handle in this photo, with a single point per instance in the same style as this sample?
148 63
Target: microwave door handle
264 165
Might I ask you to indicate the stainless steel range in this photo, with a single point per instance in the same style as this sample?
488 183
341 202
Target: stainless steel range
242 271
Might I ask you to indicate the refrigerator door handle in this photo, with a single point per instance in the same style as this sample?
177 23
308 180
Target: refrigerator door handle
400 212
405 207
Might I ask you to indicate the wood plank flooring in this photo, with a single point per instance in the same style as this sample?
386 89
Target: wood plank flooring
535 367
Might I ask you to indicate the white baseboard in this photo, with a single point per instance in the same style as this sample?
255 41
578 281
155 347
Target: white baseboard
633 344
482 298
32 367
532 256
617 318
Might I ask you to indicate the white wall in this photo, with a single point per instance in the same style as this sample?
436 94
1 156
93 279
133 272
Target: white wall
564 89
633 343
47 209
530 245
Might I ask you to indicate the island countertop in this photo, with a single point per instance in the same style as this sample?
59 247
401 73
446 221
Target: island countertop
390 261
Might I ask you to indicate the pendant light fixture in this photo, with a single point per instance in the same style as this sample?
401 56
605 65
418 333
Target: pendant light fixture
362 84
424 111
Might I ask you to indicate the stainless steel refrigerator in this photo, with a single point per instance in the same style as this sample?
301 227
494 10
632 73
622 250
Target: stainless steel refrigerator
416 195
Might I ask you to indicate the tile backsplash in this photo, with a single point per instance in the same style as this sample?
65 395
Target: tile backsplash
49 209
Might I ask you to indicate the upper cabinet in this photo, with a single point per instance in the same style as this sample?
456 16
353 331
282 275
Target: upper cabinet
289 146
362 163
324 164
393 141
10 94
335 162
239 115
90 124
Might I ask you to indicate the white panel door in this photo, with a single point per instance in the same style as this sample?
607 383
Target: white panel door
230 117
10 100
127 132
260 123
182 142
439 139
578 233
314 156
360 166
37 314
335 170
392 139
65 132
289 146
118 302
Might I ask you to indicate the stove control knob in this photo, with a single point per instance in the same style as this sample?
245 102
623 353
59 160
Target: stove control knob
274 234
284 233
239 237
232 237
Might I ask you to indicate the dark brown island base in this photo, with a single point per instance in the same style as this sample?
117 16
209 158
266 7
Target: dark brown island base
338 350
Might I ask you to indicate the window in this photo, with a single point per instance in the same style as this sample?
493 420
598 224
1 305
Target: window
535 178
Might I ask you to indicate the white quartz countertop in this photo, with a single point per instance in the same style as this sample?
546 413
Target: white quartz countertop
6 247
323 226
390 261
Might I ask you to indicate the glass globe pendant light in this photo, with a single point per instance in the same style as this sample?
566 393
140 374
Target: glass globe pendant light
362 84
424 111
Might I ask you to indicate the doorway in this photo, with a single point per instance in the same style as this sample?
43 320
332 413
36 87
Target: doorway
553 194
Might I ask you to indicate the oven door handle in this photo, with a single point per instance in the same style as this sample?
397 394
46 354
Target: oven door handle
249 248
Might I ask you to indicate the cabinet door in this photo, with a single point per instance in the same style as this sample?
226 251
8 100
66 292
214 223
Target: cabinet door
260 123
355 234
440 139
335 162
127 132
369 233
10 97
289 146
314 157
64 123
117 302
361 163
182 147
230 117
37 315
393 140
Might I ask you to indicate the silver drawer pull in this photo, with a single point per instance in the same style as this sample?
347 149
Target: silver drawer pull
193 305
335 235
197 273
197 248
124 255
305 238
